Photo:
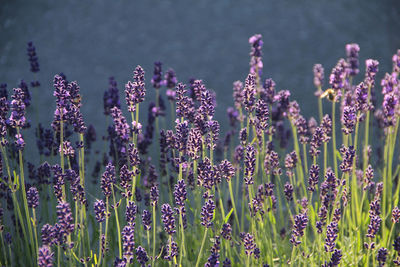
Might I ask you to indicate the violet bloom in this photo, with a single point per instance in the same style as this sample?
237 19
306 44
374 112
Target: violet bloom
194 143
157 81
170 79
326 126
318 76
121 126
389 105
184 104
249 93
108 179
213 134
381 257
32 57
100 210
352 58
256 64
226 263
348 154
268 92
64 216
226 170
238 94
27 94
349 119
335 259
226 231
181 135
316 141
130 213
337 78
128 242
45 257
32 196
248 243
111 97
17 118
146 220
207 213
135 91
331 235
262 115
313 177
141 256
154 194
168 219
180 193
250 163
288 190
300 223
47 234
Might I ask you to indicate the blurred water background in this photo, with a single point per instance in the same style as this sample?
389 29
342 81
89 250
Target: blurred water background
89 41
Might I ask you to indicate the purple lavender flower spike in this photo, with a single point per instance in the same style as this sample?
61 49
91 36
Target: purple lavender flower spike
135 91
250 163
207 213
170 79
249 93
17 106
154 194
131 211
313 178
348 154
288 190
168 219
268 94
100 210
318 76
396 62
64 216
396 215
32 57
248 243
157 77
45 257
335 259
108 179
180 193
381 257
331 235
194 143
238 94
128 240
300 223
349 119
352 58
47 234
111 97
256 64
337 78
32 196
226 231
146 220
141 256
121 126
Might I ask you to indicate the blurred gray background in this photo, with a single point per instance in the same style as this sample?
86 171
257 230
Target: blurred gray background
92 40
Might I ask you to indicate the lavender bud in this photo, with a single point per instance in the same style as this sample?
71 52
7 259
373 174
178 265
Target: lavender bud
32 196
170 79
348 154
130 213
121 126
45 257
111 97
108 179
381 257
250 163
227 170
180 193
352 58
168 219
128 242
318 75
313 177
316 141
64 216
249 243
207 213
268 94
32 57
146 219
331 235
238 94
141 256
300 223
226 231
154 194
100 210
256 64
349 119
396 61
249 92
396 215
157 81
135 91
288 190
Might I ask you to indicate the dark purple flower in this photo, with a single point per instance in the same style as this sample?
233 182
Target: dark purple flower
396 61
17 118
226 231
374 225
326 126
157 77
207 213
248 243
226 263
318 76
262 115
180 193
32 57
45 257
396 244
348 154
135 91
130 213
352 58
335 259
111 97
313 177
396 215
288 190
371 68
249 93
268 94
227 170
32 196
238 94
331 235
64 216
256 64
100 210
381 257
141 256
194 143
291 160
170 79
181 135
390 102
349 119
337 77
154 194
168 219
146 219
47 234
250 163
108 179
128 242
121 126
300 223
271 163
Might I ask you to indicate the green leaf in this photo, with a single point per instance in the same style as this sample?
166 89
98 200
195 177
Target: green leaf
227 216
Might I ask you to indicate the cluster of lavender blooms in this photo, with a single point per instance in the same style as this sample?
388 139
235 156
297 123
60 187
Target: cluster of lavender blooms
275 188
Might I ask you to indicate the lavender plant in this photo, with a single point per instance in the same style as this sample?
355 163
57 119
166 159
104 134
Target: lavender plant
275 189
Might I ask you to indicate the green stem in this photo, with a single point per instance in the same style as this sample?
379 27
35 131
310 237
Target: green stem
201 247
